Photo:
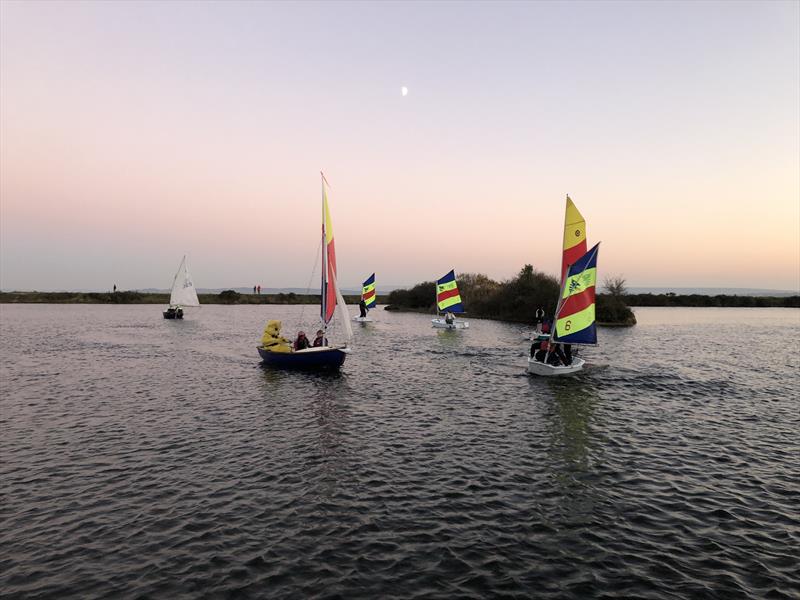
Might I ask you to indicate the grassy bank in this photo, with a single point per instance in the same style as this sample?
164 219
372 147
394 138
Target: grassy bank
132 297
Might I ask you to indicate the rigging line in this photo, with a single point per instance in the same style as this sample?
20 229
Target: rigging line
311 278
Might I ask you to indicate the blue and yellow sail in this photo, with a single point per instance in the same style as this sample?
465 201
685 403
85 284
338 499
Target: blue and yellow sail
447 295
575 317
368 292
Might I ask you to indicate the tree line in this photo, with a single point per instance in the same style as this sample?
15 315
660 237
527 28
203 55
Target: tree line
515 299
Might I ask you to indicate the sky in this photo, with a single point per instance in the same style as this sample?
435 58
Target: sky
134 133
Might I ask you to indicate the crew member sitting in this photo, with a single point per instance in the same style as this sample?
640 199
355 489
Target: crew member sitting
301 343
320 339
272 340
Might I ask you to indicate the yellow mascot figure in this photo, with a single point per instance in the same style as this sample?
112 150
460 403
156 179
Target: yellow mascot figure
272 340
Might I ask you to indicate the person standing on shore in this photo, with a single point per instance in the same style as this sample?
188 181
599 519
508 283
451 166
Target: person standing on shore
115 288
254 290
259 290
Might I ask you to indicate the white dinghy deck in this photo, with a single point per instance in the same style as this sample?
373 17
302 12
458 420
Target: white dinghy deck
539 368
442 324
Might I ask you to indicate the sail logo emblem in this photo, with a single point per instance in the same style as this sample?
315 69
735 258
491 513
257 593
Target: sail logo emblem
577 233
574 286
187 283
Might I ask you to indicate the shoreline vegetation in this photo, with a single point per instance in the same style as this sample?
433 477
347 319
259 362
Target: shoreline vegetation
517 299
134 297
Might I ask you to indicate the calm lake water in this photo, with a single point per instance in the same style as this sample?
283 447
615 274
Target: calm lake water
145 458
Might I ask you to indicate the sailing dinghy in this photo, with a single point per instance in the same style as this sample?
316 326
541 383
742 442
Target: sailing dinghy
183 293
367 300
325 356
448 300
574 321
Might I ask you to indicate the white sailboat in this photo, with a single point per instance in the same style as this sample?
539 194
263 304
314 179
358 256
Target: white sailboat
448 299
574 322
183 293
368 300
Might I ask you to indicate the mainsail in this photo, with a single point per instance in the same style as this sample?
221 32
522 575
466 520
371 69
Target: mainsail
575 316
368 292
331 295
328 261
447 296
574 237
183 292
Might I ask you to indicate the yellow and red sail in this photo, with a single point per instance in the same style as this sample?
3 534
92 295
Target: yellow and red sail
447 295
368 292
574 237
329 275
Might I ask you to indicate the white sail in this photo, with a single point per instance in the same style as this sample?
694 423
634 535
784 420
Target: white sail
183 292
345 318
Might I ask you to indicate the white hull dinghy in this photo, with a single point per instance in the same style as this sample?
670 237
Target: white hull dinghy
448 301
183 292
574 322
442 324
539 368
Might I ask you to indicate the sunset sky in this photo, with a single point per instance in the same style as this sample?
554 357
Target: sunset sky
134 133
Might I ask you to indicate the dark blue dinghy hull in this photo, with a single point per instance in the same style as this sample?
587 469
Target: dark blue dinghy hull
311 359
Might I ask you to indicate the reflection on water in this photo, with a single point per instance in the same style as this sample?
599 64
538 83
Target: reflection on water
573 402
146 458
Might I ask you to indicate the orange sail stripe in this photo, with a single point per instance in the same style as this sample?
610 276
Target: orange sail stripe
448 294
330 296
577 303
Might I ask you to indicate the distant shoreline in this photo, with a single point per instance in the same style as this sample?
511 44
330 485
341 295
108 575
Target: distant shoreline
132 297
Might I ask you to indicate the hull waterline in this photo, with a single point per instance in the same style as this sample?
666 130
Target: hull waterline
311 359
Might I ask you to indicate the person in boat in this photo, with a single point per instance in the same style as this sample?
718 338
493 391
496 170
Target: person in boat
301 343
567 354
320 339
540 353
563 357
547 353
362 306
449 318
272 340
539 319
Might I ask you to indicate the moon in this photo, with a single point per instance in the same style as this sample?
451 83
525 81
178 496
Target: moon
404 91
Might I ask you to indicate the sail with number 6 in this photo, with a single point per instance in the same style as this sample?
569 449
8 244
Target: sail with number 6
575 315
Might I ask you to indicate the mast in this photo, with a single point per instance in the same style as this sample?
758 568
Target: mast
323 287
564 272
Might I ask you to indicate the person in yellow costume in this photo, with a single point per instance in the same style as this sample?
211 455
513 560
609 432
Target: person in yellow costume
272 340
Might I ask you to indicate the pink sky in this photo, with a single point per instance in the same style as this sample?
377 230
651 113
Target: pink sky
132 133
